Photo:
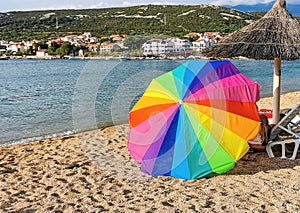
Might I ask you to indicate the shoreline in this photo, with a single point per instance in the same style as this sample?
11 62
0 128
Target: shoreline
93 172
263 103
110 57
67 57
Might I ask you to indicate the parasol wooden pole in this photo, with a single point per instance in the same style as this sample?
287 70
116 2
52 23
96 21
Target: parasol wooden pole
276 90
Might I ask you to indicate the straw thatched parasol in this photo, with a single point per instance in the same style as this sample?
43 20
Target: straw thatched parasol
276 36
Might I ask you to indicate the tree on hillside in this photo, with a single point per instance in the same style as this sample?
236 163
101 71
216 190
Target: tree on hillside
64 49
40 45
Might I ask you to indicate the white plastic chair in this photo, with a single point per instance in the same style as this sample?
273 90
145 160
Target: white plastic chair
290 124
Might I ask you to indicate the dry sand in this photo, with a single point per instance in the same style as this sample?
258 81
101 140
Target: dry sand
93 172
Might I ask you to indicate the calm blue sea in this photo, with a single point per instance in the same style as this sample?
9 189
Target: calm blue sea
48 98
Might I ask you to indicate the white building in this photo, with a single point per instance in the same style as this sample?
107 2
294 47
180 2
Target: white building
154 47
42 53
87 34
109 47
180 45
203 40
172 46
93 40
104 47
93 47
29 44
15 47
3 42
202 43
3 49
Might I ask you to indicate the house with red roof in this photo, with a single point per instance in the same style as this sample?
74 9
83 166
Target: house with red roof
42 53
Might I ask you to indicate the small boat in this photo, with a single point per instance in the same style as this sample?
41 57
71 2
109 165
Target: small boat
4 58
125 57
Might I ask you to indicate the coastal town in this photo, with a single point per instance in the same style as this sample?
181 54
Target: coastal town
86 46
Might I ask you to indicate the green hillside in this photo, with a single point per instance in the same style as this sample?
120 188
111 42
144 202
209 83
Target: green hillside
168 20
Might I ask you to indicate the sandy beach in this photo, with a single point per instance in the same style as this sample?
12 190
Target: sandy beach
93 172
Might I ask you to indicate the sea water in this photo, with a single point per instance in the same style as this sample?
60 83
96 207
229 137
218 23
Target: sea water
49 98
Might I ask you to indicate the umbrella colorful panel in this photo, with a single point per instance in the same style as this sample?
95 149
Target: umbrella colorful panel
194 120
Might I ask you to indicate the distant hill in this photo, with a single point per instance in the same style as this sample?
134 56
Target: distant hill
171 20
294 9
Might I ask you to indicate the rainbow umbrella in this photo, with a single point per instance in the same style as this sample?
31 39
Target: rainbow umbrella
194 120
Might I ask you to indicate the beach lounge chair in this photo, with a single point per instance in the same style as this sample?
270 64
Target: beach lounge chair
289 124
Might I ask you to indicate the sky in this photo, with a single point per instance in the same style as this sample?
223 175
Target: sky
23 5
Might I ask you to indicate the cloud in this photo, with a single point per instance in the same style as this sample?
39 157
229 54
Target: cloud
13 5
131 3
237 2
165 3
100 5
126 4
248 2
105 4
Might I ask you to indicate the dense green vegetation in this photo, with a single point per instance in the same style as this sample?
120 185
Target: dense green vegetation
149 19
